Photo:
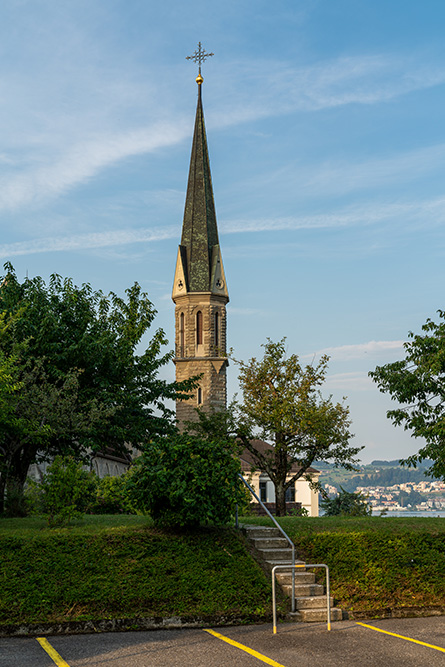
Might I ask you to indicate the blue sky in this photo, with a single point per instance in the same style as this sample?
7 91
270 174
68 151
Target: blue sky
327 145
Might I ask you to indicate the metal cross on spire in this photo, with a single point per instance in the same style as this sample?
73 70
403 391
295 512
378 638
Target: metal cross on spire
199 56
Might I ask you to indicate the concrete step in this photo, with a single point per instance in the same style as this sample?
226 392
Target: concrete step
271 563
270 543
315 615
301 577
312 602
304 590
310 598
254 532
276 555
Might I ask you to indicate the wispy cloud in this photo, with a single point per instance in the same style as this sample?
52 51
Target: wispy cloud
361 79
372 348
430 212
68 143
87 241
339 177
276 88
416 213
81 162
355 381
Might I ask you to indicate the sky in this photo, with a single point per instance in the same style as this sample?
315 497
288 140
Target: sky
327 146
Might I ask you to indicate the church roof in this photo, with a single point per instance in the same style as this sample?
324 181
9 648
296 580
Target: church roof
199 229
263 447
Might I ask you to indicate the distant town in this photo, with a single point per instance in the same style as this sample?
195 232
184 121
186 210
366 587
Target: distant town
424 496
388 486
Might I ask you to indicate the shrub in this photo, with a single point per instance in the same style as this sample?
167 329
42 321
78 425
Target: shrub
111 496
15 504
67 491
184 481
346 504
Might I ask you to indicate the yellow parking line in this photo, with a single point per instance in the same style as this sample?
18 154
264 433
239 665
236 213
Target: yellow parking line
261 657
44 643
408 639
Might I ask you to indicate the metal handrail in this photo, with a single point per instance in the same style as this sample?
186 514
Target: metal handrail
305 565
283 533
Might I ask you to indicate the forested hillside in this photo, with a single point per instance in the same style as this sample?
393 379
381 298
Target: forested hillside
377 473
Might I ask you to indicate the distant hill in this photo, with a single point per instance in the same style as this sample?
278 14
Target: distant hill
395 464
377 473
384 464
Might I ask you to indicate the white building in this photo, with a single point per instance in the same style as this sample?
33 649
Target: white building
300 492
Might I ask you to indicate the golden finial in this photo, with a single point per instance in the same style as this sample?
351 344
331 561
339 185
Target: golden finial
199 57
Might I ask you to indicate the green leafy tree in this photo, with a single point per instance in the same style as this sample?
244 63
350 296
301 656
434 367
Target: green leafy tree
74 382
11 495
346 504
111 495
186 481
418 384
412 498
67 491
282 404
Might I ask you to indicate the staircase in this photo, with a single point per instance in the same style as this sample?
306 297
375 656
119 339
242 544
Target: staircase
273 549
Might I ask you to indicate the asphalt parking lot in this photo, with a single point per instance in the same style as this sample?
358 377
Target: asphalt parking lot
389 643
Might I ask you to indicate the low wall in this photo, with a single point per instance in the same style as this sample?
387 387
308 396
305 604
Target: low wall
291 508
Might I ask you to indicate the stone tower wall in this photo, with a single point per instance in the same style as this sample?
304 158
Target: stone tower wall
207 357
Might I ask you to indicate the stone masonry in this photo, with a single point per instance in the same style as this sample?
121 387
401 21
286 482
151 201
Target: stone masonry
208 358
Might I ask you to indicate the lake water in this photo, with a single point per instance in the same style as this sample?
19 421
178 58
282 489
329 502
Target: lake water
422 513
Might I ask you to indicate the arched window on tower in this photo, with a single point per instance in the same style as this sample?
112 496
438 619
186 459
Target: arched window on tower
199 328
181 335
217 336
199 396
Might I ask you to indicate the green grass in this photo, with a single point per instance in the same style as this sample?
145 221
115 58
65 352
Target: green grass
89 524
122 567
375 563
385 525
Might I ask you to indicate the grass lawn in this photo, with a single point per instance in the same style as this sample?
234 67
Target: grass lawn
375 563
123 567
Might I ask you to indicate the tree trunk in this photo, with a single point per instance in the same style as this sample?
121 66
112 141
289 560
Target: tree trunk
279 478
280 500
2 494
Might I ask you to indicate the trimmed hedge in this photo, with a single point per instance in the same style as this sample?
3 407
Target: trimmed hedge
376 563
54 576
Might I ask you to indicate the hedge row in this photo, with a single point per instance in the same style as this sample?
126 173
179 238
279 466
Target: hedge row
61 576
376 563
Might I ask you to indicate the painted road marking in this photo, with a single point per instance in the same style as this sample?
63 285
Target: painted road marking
260 656
44 643
408 639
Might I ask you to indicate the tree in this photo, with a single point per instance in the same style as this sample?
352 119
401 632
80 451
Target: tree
185 481
346 504
66 491
282 404
73 381
418 384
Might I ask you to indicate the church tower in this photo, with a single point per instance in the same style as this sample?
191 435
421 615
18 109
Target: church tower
199 288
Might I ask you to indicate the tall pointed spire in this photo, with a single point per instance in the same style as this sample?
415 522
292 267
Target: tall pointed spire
199 266
199 230
199 288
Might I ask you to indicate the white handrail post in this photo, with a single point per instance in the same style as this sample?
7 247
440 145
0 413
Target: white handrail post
328 595
274 603
305 566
